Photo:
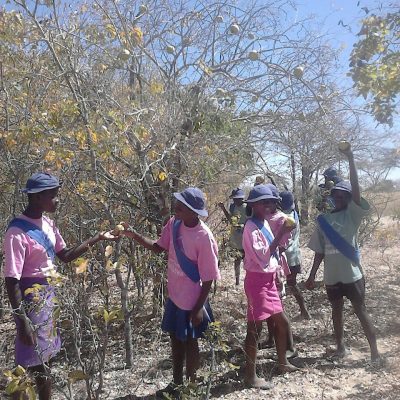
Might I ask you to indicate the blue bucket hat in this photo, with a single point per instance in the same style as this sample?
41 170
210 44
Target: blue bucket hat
193 198
274 190
40 182
261 192
344 186
287 200
237 194
330 173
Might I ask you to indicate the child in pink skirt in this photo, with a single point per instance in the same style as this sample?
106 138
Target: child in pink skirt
276 219
261 265
192 267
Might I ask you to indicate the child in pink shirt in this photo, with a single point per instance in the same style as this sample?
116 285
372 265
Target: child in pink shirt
261 264
192 267
276 219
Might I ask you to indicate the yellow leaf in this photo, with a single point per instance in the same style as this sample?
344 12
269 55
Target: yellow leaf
106 316
12 387
30 391
109 265
111 30
19 370
156 87
162 176
29 291
81 265
153 155
137 36
204 67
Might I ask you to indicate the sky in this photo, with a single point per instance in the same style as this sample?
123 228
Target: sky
342 35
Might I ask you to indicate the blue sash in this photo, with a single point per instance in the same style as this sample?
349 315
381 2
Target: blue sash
338 241
188 266
267 234
35 233
296 217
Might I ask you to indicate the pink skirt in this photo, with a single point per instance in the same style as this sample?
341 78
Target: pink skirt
262 295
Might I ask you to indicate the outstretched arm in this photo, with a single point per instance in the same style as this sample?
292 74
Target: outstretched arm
355 187
144 241
68 255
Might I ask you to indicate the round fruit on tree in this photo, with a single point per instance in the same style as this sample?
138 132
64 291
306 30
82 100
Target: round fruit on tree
170 49
124 54
298 72
142 9
344 145
234 29
254 55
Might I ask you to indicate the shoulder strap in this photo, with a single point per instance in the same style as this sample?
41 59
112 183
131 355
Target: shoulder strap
267 234
35 233
188 266
260 225
296 216
338 241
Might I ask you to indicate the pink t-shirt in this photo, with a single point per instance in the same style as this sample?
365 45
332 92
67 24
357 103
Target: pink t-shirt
24 257
199 245
276 220
257 257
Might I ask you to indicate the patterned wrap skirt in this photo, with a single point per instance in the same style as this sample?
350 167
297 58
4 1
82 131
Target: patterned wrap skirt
39 302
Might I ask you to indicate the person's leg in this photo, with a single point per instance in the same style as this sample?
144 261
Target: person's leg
192 359
296 292
238 260
356 294
43 381
271 333
250 347
291 351
337 319
281 340
178 356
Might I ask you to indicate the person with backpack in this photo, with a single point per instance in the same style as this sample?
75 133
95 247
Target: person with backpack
334 241
31 244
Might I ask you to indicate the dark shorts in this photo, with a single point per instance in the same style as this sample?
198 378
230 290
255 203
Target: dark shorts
355 291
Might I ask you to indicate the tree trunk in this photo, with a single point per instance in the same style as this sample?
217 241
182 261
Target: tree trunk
305 194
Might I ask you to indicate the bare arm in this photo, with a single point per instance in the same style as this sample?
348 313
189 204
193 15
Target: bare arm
355 187
72 253
197 312
144 241
15 297
225 211
310 283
